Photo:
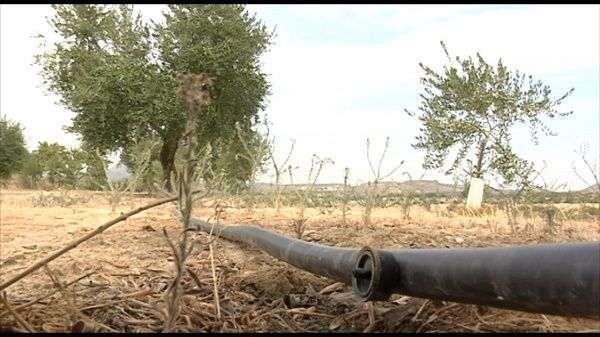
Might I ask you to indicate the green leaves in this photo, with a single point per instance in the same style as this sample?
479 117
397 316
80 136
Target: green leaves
471 106
57 166
117 73
12 147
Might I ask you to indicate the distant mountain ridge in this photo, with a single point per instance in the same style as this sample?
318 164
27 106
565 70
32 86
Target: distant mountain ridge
119 172
421 186
416 186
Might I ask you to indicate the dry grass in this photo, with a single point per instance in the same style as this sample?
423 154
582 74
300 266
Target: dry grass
124 272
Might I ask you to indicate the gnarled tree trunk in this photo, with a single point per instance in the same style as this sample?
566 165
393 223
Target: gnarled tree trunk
167 157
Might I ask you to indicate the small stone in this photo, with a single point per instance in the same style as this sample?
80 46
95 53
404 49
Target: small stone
148 228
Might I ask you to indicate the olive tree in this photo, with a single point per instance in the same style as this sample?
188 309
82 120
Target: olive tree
470 106
118 74
12 147
60 167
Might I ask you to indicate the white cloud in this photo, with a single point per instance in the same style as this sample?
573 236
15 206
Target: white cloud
22 97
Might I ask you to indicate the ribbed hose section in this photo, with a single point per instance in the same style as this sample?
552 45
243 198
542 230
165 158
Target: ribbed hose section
562 279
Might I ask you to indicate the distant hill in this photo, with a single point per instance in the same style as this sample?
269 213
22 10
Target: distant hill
416 186
421 186
321 187
591 189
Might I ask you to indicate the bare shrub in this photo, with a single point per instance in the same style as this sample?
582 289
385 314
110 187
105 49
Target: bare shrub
194 89
255 155
592 169
375 193
305 194
510 201
280 169
345 195
64 198
141 157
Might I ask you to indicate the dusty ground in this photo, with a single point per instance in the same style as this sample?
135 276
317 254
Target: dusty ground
130 265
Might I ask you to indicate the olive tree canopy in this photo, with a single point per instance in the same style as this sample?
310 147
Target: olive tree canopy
471 106
118 74
12 147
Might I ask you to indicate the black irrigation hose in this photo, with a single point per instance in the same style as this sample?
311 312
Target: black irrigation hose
560 279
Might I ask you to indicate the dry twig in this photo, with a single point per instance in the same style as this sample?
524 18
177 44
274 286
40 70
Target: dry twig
32 302
73 244
215 284
17 317
68 298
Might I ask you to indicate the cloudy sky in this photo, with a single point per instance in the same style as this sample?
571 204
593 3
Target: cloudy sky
342 74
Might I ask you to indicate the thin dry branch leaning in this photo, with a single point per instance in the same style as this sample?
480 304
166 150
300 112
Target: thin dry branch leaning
73 244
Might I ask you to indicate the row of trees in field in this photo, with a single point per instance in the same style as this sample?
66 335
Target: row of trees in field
51 164
117 73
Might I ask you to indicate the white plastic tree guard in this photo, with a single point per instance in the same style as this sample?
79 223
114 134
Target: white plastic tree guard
475 196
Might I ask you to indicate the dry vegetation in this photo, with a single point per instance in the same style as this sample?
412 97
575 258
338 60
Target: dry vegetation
116 280
150 272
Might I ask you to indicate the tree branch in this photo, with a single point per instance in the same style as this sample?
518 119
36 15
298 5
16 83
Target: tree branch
73 244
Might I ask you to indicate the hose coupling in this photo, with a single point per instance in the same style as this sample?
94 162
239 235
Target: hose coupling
366 276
